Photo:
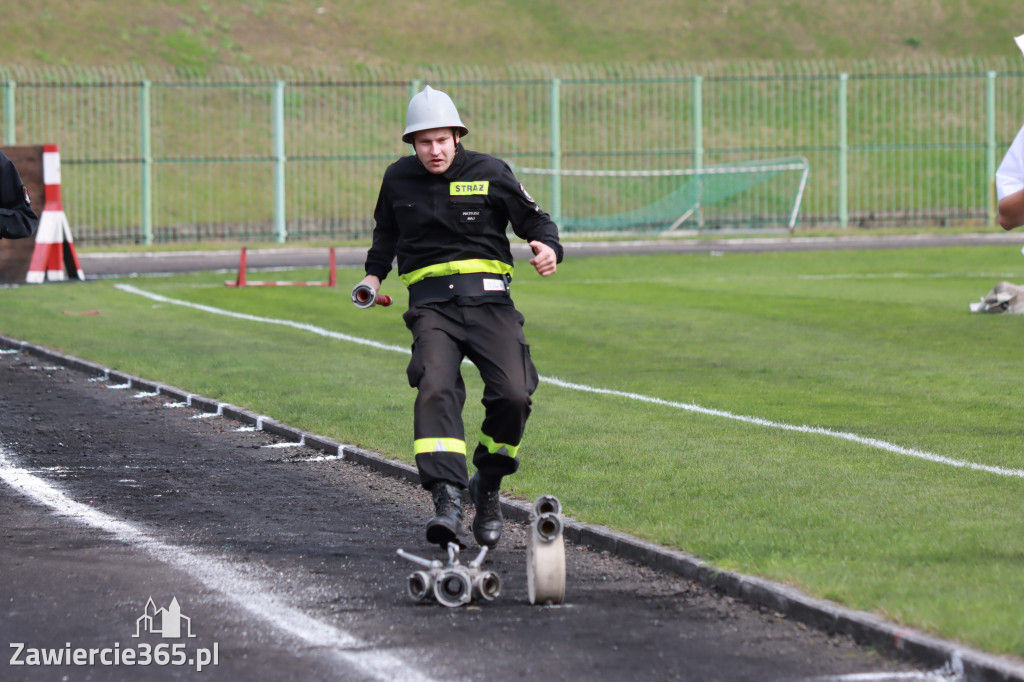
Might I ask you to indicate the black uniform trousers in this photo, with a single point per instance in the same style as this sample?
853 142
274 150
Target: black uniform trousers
490 334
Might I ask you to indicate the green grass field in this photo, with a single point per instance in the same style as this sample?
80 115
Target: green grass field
198 35
875 344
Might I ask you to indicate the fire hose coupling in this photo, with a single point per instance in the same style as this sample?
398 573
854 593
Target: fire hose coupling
546 518
365 296
452 584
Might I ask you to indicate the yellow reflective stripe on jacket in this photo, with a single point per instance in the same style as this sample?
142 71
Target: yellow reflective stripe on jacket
457 267
426 445
493 446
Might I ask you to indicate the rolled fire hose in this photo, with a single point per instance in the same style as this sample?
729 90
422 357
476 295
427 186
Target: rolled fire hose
545 553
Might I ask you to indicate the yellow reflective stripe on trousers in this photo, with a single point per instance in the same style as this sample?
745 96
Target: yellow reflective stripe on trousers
493 446
425 445
457 267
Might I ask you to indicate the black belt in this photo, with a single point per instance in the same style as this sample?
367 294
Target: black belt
475 285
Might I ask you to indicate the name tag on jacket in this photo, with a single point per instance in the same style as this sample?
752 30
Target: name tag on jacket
465 189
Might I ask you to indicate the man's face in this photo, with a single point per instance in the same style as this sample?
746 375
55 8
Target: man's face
435 148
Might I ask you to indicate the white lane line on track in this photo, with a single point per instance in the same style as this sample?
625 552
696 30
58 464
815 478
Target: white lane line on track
247 593
689 407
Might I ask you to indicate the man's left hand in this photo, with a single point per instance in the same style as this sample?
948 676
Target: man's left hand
544 259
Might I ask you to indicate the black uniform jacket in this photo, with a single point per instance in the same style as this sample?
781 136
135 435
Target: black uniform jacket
460 215
17 220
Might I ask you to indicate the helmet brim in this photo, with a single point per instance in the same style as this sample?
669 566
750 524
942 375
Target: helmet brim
409 134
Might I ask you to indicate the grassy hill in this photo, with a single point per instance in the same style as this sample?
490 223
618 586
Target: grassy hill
202 34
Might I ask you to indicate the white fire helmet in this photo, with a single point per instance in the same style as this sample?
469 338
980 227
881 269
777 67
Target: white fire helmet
429 109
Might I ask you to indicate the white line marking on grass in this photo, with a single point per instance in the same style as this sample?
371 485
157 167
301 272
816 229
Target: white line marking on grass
816 430
267 320
908 275
689 407
247 593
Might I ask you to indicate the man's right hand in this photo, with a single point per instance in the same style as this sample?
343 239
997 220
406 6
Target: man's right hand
371 282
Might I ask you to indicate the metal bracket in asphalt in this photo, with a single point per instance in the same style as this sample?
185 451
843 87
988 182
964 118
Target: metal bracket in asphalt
865 628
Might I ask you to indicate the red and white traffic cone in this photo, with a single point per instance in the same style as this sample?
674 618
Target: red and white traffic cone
54 257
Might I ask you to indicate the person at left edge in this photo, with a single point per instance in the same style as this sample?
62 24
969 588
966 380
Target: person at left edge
1010 185
17 220
443 212
1010 178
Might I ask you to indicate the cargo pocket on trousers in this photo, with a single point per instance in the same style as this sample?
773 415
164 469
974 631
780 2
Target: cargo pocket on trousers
415 369
532 377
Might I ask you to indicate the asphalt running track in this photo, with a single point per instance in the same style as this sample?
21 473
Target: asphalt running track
283 559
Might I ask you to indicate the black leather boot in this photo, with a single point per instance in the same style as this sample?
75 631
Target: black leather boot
484 490
446 526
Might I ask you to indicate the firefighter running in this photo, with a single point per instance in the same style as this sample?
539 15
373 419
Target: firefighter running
442 213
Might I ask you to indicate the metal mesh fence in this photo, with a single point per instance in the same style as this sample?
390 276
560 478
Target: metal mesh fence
284 154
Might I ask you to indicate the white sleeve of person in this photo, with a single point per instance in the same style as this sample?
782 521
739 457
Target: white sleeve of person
1010 174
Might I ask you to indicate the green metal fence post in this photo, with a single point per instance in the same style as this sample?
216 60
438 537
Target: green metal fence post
698 122
147 162
556 149
844 152
698 136
9 119
280 222
990 146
